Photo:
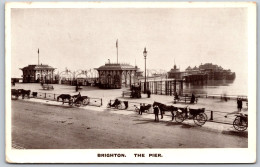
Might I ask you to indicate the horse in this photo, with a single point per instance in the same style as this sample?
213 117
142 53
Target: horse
144 108
24 93
63 97
164 108
34 94
15 93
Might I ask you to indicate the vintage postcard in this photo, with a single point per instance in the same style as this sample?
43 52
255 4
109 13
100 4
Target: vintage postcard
123 82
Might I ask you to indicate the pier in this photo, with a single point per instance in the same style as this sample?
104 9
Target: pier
164 87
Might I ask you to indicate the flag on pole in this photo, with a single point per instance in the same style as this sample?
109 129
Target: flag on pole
117 43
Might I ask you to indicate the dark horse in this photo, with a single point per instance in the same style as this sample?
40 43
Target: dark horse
63 97
164 108
24 93
144 108
15 93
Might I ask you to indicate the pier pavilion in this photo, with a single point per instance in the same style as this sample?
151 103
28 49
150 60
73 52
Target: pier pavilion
38 73
115 75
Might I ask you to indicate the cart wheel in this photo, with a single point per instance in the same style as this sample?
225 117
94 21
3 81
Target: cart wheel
85 101
179 117
71 102
78 104
119 106
240 124
200 119
205 115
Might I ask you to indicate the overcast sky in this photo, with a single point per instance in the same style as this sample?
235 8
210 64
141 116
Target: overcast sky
86 38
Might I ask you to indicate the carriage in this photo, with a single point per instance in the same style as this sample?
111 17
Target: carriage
241 122
118 104
74 100
15 93
136 91
198 115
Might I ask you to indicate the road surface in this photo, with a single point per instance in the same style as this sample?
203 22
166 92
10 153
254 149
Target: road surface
45 126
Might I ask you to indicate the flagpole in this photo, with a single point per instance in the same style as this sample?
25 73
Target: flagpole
117 50
38 57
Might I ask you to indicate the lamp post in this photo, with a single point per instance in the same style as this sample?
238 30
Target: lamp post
145 55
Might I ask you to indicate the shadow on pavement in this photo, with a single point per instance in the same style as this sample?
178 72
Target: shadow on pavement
236 133
166 123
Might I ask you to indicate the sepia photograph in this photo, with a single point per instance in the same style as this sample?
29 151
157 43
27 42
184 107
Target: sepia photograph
125 82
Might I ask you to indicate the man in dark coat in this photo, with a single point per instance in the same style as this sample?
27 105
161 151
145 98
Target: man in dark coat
239 104
239 107
148 93
156 113
192 100
141 109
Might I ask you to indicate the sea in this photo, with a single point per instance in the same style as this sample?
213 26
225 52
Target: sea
236 87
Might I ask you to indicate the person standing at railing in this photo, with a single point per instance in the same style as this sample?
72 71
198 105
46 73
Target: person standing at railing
192 100
239 104
239 107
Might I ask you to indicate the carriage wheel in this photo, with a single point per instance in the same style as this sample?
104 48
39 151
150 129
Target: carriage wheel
200 119
240 124
119 106
78 104
85 101
71 102
179 117
205 115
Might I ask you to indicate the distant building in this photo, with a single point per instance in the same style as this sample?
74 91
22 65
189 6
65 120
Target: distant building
175 73
216 72
38 73
114 75
139 73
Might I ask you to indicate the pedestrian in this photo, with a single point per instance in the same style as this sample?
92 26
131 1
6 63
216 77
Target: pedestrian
239 104
77 88
176 95
13 82
239 107
192 100
148 93
156 113
141 109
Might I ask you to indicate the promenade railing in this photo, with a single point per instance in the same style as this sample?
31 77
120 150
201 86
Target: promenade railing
212 116
53 97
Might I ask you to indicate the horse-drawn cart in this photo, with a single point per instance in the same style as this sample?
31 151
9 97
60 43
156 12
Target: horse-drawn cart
198 115
74 100
118 104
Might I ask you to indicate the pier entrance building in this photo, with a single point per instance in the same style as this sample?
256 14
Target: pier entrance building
116 76
38 73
